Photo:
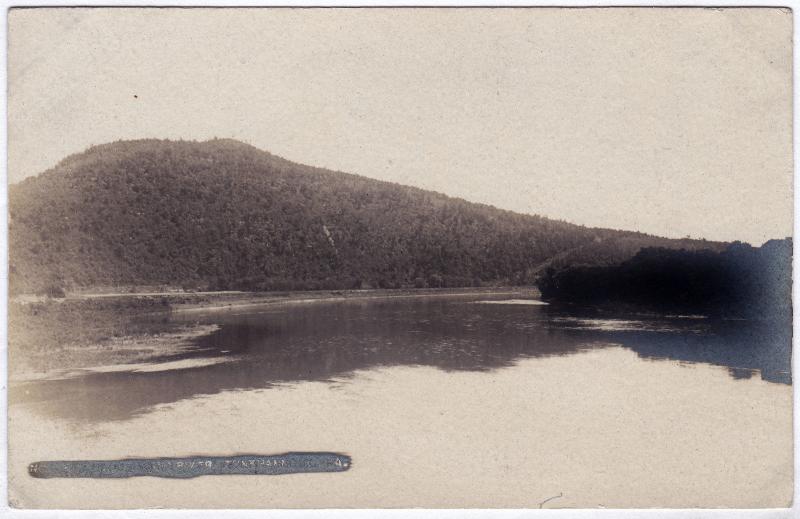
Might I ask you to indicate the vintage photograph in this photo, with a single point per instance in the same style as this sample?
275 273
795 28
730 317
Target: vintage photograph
400 258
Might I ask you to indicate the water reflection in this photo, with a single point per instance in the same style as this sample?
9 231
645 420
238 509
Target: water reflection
326 340
746 348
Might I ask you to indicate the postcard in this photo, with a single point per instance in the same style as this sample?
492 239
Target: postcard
400 258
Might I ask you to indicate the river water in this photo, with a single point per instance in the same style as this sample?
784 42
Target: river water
441 401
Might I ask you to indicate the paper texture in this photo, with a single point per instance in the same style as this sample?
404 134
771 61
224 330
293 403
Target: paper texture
675 123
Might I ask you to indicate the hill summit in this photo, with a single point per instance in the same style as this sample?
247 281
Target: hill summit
222 214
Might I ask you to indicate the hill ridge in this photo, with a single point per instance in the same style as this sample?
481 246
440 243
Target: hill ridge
224 214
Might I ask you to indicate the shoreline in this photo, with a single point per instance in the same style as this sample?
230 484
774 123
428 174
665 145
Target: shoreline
256 299
178 300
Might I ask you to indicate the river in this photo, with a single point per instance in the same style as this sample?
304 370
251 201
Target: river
467 401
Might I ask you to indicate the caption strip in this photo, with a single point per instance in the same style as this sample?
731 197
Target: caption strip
273 465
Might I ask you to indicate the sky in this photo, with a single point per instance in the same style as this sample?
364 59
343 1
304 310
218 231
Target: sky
675 122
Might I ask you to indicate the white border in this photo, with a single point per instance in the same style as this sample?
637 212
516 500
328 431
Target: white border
5 511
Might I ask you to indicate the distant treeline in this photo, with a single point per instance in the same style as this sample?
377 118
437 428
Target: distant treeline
740 281
224 215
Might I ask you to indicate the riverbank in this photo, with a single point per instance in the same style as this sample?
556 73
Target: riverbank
209 301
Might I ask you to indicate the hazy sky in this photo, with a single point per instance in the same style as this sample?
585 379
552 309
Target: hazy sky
669 121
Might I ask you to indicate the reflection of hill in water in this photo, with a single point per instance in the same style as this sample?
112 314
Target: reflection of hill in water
744 347
323 341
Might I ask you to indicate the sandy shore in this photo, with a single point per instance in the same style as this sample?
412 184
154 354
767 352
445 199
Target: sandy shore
603 428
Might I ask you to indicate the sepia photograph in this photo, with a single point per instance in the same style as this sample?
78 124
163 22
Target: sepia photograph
436 258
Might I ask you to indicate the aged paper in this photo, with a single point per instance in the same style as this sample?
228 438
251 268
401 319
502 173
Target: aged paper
370 258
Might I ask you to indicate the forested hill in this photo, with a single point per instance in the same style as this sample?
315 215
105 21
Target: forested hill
224 215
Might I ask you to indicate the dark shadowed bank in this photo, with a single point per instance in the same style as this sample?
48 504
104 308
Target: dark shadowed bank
739 282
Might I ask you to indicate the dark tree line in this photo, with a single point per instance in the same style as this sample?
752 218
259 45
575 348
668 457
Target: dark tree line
740 281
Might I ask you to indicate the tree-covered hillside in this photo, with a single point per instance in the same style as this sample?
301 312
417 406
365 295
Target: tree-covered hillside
224 215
